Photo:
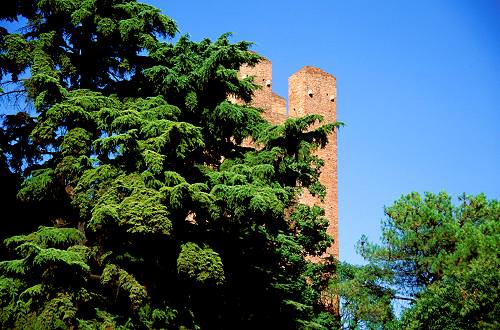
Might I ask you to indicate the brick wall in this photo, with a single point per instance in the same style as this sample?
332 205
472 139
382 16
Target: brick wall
310 91
313 91
264 97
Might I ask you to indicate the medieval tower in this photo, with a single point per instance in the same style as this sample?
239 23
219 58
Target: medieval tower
310 91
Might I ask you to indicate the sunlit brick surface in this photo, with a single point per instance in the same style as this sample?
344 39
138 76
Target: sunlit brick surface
310 91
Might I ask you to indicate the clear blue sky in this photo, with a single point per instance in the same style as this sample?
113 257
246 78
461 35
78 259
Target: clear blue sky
418 87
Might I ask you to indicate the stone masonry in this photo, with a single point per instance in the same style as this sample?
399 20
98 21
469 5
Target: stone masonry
310 91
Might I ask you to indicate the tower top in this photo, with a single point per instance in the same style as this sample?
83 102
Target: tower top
310 91
313 70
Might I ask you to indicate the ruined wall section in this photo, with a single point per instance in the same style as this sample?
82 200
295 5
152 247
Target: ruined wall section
264 97
313 91
310 91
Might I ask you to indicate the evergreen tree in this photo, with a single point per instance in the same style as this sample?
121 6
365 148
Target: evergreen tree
440 259
139 207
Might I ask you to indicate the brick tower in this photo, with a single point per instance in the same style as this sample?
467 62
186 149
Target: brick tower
310 91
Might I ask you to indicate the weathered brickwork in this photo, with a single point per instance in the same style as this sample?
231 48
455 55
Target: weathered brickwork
310 91
264 97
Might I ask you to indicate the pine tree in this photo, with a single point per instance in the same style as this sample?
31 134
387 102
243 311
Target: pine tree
139 205
440 259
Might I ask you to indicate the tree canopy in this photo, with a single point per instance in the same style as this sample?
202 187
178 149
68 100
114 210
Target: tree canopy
133 203
439 259
132 199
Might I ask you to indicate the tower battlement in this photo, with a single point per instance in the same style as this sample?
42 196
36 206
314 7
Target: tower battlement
310 91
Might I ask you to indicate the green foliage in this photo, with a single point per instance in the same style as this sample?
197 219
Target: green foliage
49 237
138 205
311 225
441 258
158 318
38 186
115 276
25 302
58 313
202 265
366 302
